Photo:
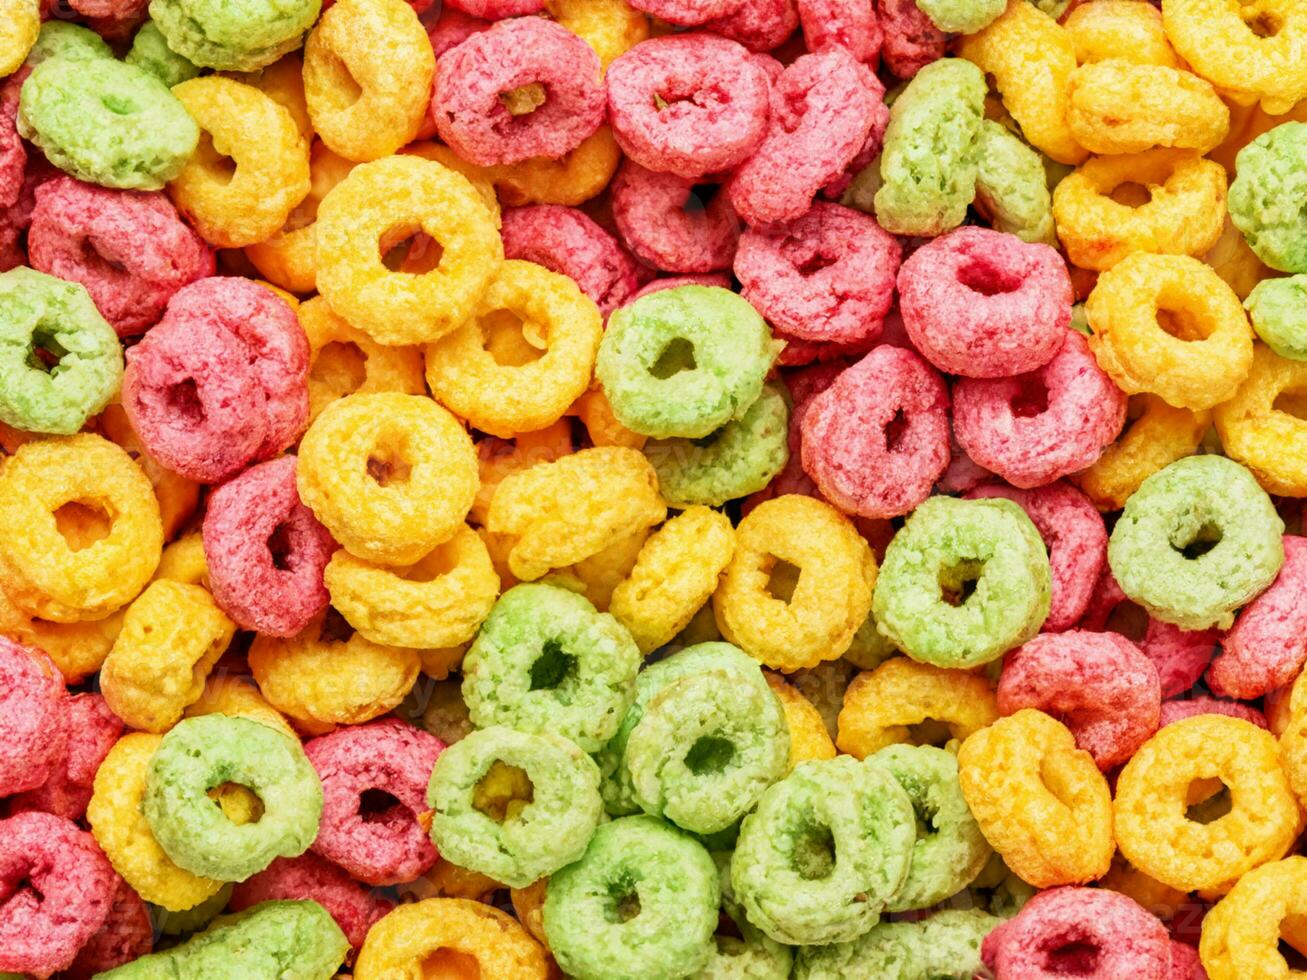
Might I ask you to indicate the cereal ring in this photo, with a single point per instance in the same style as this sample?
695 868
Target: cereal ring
611 27
126 934
237 695
900 701
1198 540
211 34
947 941
384 202
1277 308
178 497
1117 29
522 88
1261 436
1173 711
963 18
1267 196
365 104
759 26
1241 935
809 739
523 357
22 24
670 223
687 13
1117 107
843 24
150 53
911 40
1153 829
609 915
453 931
91 729
44 573
1011 187
34 725
983 304
1040 801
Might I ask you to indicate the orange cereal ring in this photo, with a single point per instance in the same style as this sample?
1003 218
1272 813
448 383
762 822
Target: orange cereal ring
178 497
1126 29
611 27
283 82
449 935
596 413
572 179
1269 441
1119 107
808 736
1241 936
598 576
496 458
480 177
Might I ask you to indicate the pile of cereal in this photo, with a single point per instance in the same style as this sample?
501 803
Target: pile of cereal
653 489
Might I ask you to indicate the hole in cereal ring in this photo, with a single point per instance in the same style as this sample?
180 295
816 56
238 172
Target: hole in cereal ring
524 100
184 402
1263 23
1291 402
409 249
623 899
82 524
46 353
1208 800
279 546
435 563
552 667
895 429
387 466
676 357
814 853
221 168
929 731
378 806
344 88
240 803
449 964
335 627
980 275
1182 325
709 754
699 197
341 366
783 580
1072 959
1031 397
503 792
1128 620
957 582
1293 929
1131 194
510 340
118 105
1197 543
816 263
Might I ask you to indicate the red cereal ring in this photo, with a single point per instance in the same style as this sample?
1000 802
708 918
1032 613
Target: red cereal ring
799 352
1036 427
847 24
823 107
386 759
522 88
1099 684
126 934
1179 710
1076 538
91 731
58 888
865 157
309 877
32 729
688 104
496 9
759 25
963 473
985 304
266 551
1267 645
13 155
689 13
720 280
876 440
911 41
666 220
826 277
1093 933
131 250
571 243
452 28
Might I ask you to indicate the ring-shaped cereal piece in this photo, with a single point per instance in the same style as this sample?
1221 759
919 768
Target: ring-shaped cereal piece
611 27
670 224
1153 829
569 180
1169 325
211 34
944 941
33 723
1196 541
1241 935
1266 439
449 930
150 52
1012 186
1119 29
22 24
44 317
809 739
1278 310
251 168
386 201
523 357
1268 197
1040 801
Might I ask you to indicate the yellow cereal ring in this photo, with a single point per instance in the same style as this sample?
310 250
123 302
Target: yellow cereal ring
171 637
808 736
20 23
77 649
451 935
237 696
1040 801
439 663
611 27
1152 828
1242 934
178 497
1293 742
251 168
123 833
565 511
1236 262
1252 52
479 177
528 904
676 573
831 597
596 413
1032 59
496 458
368 68
283 82
382 203
1162 900
1125 29
523 357
1269 441
184 561
598 576
1169 325
328 676
500 546
1119 107
570 180
344 361
1156 435
440 601
447 880
390 475
46 485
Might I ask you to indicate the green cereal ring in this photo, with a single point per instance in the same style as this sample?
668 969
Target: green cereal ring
1012 186
39 313
61 39
998 890
150 52
827 847
950 850
521 845
1268 198
106 122
932 150
230 36
618 793
1278 308
1196 541
749 956
870 647
193 919
641 904
201 753
684 362
962 16
736 460
1054 8
704 750
547 661
286 940
963 582
947 944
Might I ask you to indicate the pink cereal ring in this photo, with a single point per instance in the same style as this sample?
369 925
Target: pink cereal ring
911 41
798 353
452 28
1093 933
1179 710
496 9
479 104
33 736
129 249
571 243
804 384
1185 963
266 551
826 277
387 757
1100 684
760 25
985 304
13 155
848 24
55 892
718 279
963 474
665 221
688 104
871 148
1076 538
823 108
876 440
689 13
1267 645
1035 428
353 905
92 729
126 934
